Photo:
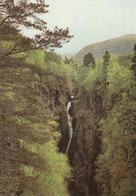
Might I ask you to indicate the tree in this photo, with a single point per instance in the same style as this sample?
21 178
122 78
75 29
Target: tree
66 61
133 67
25 13
26 118
106 60
27 115
116 163
88 58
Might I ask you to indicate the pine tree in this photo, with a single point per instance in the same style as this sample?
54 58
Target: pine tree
106 61
133 67
89 59
19 14
66 60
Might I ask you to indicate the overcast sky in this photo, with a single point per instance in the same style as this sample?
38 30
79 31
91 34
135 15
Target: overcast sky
91 21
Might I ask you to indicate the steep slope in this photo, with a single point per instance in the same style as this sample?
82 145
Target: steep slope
117 46
33 94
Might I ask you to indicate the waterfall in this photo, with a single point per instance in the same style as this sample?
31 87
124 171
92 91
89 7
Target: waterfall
70 128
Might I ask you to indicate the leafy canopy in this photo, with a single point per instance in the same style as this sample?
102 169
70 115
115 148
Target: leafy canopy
26 13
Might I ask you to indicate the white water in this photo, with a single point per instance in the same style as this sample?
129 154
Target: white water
70 128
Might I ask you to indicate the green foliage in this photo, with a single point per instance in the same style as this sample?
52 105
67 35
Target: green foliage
57 67
120 79
30 78
57 168
117 161
36 57
68 61
27 116
115 165
31 163
93 79
127 187
52 57
82 73
125 60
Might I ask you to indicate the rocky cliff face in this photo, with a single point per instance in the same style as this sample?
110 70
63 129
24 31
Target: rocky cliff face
55 99
86 144
86 111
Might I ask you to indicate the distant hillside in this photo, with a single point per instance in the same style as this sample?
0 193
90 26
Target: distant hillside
117 46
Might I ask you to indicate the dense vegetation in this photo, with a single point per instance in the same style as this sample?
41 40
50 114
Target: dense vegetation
30 161
35 86
113 82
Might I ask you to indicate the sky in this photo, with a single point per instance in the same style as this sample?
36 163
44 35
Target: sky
91 21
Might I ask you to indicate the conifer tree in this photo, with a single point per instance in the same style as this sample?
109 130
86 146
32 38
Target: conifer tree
106 61
133 67
66 61
89 59
24 13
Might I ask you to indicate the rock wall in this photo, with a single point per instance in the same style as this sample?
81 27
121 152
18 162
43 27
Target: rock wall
87 110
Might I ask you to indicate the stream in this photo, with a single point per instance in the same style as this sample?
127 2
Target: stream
70 128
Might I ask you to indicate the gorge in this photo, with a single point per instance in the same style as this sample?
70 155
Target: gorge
67 128
79 145
86 143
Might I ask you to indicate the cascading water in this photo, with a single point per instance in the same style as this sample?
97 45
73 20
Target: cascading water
69 126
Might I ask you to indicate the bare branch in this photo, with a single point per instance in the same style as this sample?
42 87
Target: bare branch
4 20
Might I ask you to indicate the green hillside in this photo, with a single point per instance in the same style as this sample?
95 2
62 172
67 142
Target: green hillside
116 46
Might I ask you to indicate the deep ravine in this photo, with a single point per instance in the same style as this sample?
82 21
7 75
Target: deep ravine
82 142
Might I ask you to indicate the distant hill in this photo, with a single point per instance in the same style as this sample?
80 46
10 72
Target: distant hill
118 46
68 55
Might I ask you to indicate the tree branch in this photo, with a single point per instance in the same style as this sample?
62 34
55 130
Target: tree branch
9 52
4 20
